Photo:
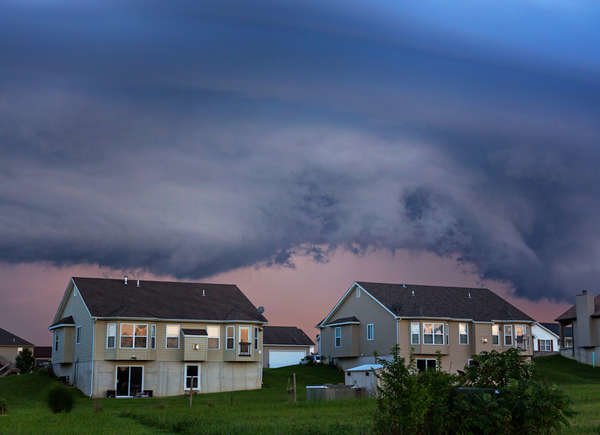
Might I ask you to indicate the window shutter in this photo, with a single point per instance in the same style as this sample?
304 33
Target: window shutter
551 345
539 345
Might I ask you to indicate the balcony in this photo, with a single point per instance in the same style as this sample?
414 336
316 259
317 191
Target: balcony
245 348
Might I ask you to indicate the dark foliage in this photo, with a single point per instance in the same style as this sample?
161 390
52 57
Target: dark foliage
25 361
60 399
3 406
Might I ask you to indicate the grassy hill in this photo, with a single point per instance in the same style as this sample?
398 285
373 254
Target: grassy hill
269 410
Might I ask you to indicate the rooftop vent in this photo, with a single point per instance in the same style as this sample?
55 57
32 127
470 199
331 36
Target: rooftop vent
469 294
261 309
125 280
412 292
137 284
403 285
203 292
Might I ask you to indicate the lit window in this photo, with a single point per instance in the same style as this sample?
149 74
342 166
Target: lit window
173 332
134 336
111 335
415 332
214 336
508 335
433 333
230 336
463 333
495 334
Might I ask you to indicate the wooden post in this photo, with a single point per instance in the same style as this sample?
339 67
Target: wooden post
191 396
294 385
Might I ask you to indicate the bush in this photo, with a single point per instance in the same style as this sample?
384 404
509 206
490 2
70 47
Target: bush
3 406
60 399
25 361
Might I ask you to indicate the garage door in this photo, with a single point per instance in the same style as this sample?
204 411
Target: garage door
282 358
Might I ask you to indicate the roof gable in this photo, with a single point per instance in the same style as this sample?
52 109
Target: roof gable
9 339
166 300
571 313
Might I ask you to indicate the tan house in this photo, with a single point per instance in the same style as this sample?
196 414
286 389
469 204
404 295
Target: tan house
582 321
285 346
114 337
457 322
10 346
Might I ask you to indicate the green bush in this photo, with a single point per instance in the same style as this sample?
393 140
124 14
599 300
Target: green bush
3 406
25 361
60 399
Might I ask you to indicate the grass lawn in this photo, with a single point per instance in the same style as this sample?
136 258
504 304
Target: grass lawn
269 410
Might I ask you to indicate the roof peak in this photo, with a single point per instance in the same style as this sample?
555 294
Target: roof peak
158 281
409 285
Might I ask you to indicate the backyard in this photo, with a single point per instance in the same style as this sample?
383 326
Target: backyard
270 410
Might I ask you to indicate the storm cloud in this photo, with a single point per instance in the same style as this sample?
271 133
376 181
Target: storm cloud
190 139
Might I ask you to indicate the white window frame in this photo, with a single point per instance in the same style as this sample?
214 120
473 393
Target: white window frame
412 333
495 325
133 335
167 336
434 327
218 336
525 345
152 336
108 326
185 376
426 359
466 333
227 337
545 345
370 331
512 340
78 335
337 336
129 386
249 339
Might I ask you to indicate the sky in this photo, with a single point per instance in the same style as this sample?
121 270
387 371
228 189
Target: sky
295 147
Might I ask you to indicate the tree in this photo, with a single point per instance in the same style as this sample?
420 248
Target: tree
25 361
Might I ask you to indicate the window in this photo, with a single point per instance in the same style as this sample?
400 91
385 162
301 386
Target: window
55 340
78 335
521 338
230 337
568 342
472 363
214 336
134 336
371 331
173 336
545 345
111 335
338 336
192 377
433 333
358 292
153 336
508 338
255 338
426 364
245 341
415 332
495 334
463 333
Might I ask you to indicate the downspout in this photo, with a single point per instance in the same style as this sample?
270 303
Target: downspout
93 352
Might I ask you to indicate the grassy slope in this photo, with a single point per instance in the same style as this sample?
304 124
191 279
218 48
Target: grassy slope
269 410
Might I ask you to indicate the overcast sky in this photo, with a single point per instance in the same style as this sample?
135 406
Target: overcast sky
264 142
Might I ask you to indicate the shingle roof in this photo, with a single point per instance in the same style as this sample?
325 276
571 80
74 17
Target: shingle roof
64 321
289 335
189 331
166 300
571 313
42 352
409 300
351 319
10 339
555 327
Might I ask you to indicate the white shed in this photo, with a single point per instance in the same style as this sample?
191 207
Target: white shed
363 376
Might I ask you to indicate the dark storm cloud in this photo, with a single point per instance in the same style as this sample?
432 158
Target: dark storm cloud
193 138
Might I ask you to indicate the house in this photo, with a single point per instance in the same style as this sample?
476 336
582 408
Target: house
584 320
117 338
363 376
10 346
452 322
42 355
284 346
545 338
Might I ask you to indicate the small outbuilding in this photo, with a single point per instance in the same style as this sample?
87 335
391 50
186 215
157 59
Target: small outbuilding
284 346
363 376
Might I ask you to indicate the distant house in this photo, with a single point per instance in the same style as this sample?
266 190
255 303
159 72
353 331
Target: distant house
284 346
583 320
114 337
42 355
455 322
545 338
10 346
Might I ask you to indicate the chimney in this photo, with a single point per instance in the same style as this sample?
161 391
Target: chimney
137 284
125 280
584 307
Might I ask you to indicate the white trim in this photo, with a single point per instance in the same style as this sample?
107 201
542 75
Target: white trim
164 319
412 333
133 336
107 325
167 337
504 335
343 324
335 331
433 334
549 331
500 334
467 334
61 325
226 337
250 343
218 337
129 386
185 366
372 335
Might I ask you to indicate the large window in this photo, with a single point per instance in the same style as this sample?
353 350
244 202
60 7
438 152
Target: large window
245 340
230 337
415 332
371 331
153 336
173 332
495 334
508 335
111 335
134 336
463 333
521 338
338 336
214 336
545 345
433 333
426 364
192 377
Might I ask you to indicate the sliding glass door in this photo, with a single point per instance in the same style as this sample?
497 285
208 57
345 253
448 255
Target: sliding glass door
129 381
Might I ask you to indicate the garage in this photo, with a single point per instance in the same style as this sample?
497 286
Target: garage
282 358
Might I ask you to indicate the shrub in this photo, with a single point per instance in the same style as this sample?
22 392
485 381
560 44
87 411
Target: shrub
3 406
60 399
25 361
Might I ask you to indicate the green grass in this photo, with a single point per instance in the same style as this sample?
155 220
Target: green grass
269 410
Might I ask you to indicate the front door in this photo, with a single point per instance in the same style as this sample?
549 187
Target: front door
129 380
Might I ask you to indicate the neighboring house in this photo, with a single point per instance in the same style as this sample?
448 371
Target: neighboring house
42 355
284 346
114 337
584 320
455 322
10 346
545 338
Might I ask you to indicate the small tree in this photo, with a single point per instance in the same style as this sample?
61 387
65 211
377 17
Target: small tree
60 399
25 361
402 401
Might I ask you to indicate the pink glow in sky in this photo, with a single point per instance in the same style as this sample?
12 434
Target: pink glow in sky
298 296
